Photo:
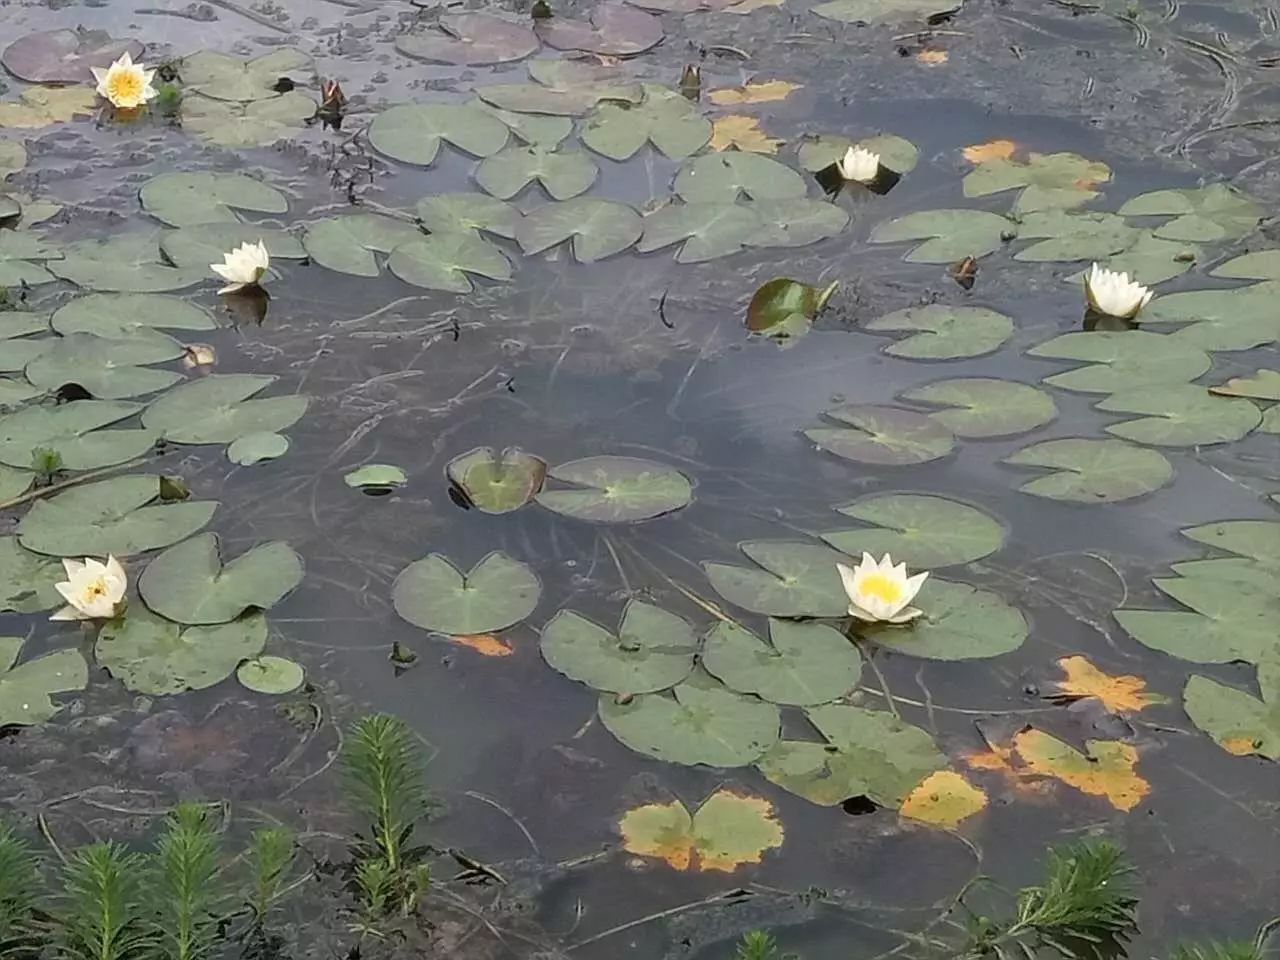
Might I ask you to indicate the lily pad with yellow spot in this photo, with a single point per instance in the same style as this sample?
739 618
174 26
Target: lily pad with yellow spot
1241 723
1120 694
944 799
729 830
1107 770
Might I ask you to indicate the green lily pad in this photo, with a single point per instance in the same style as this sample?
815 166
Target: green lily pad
445 261
1258 265
1048 181
124 264
1241 723
188 583
783 307
959 622
923 532
108 369
616 30
944 333
700 722
27 579
1150 260
532 128
564 88
271 675
1232 621
412 132
1201 214
882 11
803 664
495 482
598 228
468 212
980 408
1093 471
435 595
26 690
15 393
20 323
866 753
664 118
1257 539
119 516
207 243
258 123
153 656
617 490
74 432
796 222
882 435
251 448
1237 319
949 235
385 475
724 177
1262 384
1181 415
1235 569
470 39
18 353
348 244
218 409
186 199
562 173
794 580
131 316
225 77
1073 236
14 482
1122 360
896 153
705 230
653 650
18 251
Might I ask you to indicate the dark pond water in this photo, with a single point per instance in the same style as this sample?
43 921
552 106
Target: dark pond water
641 356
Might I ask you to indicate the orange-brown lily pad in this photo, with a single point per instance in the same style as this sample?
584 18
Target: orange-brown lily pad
1108 770
944 799
730 830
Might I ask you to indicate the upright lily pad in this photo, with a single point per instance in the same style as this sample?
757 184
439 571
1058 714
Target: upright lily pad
664 118
435 595
125 264
1049 181
468 213
617 489
1200 214
412 132
219 409
921 531
120 516
724 177
188 583
794 580
446 261
129 316
348 243
783 307
866 753
27 579
26 689
562 173
704 230
616 29
984 407
470 39
494 482
944 333
108 369
257 123
1181 415
896 153
803 664
1123 360
598 228
949 235
1241 723
224 77
959 622
156 657
186 199
65 56
563 88
1093 471
700 722
73 431
882 11
653 650
882 435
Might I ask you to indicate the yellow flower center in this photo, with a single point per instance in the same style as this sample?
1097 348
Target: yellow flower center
883 588
95 590
125 86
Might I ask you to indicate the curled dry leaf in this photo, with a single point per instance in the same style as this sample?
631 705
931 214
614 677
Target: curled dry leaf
1122 694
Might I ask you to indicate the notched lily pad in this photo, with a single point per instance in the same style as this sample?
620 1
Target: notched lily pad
224 77
494 482
883 11
65 56
617 489
949 235
446 261
186 199
27 579
219 409
1123 360
1241 723
796 222
941 332
882 435
468 213
724 177
189 583
562 173
129 316
921 531
26 689
125 264
257 123
1200 214
435 595
803 664
413 132
470 39
984 407
704 230
959 622
1181 415
793 580
653 650
563 88
107 369
74 432
1093 471
616 29
597 228
664 118
348 243
1049 181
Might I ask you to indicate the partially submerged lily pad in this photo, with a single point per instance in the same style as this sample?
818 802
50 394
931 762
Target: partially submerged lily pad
597 228
435 595
882 435
920 531
375 476
271 675
949 235
186 199
470 39
803 664
219 409
494 482
1241 723
944 333
1093 471
616 489
793 580
653 650
26 689
985 407
413 132
616 29
189 583
65 56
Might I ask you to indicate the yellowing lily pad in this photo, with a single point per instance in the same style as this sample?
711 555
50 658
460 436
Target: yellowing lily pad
944 799
766 91
730 830
1107 770
1121 694
42 106
1241 723
739 132
1048 181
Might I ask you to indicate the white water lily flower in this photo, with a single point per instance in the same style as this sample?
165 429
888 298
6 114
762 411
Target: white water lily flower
243 266
859 164
93 590
881 591
1114 293
125 83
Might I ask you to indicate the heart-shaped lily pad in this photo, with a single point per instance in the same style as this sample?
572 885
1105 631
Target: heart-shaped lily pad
18 255
700 722
188 583
895 153
257 123
1123 360
27 579
1200 214
130 316
1259 539
1262 384
563 88
598 228
73 431
445 261
944 333
435 595
470 39
985 407
883 435
616 29
537 130
123 264
959 622
920 531
120 516
1049 181
468 213
219 409
653 650
948 235
1093 471
412 132
1181 415
224 77
348 244
796 222
156 657
186 199
495 482
108 369
728 831
704 230
803 664
562 173
617 489
65 56
794 580
26 689
1242 724
665 119
1236 319
724 177
1232 620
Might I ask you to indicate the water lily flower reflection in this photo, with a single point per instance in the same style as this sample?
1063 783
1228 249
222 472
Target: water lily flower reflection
125 84
881 592
243 266
859 164
93 590
1113 293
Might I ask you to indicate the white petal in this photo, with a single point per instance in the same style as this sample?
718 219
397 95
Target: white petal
848 579
72 567
69 591
912 586
68 613
857 611
905 616
224 271
232 288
